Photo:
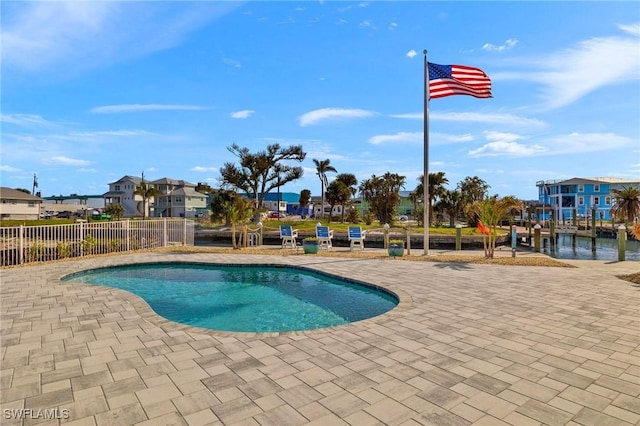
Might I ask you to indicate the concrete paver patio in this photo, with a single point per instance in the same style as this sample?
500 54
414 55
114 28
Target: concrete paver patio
467 345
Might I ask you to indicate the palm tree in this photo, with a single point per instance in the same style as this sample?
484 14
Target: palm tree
452 204
305 196
351 183
146 191
490 211
437 189
322 168
239 212
626 203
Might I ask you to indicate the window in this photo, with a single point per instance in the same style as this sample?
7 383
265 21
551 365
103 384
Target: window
580 201
607 201
178 199
31 204
580 189
116 188
596 201
596 188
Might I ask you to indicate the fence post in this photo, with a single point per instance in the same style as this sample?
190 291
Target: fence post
127 228
81 239
184 232
386 235
408 240
164 232
622 241
536 237
458 236
21 244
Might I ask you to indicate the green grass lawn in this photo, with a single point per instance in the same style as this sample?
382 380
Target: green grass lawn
310 226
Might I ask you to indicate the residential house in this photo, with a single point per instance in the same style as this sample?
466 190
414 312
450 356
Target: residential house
16 204
122 192
177 198
283 202
581 196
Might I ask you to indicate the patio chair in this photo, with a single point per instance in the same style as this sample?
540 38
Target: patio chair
288 236
324 235
356 237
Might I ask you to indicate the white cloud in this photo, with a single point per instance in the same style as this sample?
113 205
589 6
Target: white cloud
568 75
508 44
476 117
393 26
114 109
399 137
313 117
245 113
448 138
85 170
366 24
79 35
203 169
588 142
5 168
25 119
231 62
412 54
66 161
505 148
633 29
507 145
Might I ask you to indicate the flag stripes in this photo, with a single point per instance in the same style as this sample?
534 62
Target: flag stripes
448 80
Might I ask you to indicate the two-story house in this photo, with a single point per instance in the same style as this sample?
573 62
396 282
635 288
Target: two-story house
177 198
581 195
122 192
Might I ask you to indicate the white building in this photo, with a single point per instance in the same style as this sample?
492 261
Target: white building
122 192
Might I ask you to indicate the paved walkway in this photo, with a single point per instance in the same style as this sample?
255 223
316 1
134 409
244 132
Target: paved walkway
467 345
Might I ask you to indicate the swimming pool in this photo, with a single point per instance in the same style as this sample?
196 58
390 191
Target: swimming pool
248 298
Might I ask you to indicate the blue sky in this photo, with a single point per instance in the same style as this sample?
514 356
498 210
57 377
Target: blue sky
93 91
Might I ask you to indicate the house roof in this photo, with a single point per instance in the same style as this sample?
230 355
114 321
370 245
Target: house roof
578 180
188 192
14 194
169 181
127 178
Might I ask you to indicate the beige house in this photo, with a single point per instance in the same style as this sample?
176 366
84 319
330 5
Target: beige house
177 198
16 204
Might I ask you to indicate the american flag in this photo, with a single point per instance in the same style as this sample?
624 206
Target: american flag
447 80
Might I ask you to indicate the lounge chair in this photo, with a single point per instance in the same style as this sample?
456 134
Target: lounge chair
356 237
288 236
324 235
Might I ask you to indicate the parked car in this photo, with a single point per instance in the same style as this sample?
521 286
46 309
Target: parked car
46 215
403 218
64 215
276 215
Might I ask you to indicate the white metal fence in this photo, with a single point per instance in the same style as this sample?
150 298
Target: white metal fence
25 244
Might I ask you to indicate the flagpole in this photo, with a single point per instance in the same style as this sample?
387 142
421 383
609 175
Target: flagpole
425 180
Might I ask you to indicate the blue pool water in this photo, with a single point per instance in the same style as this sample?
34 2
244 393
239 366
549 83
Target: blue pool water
244 298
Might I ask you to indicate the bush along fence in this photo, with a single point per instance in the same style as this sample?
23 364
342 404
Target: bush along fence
28 244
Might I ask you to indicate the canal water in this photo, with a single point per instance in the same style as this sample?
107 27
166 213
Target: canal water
606 249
